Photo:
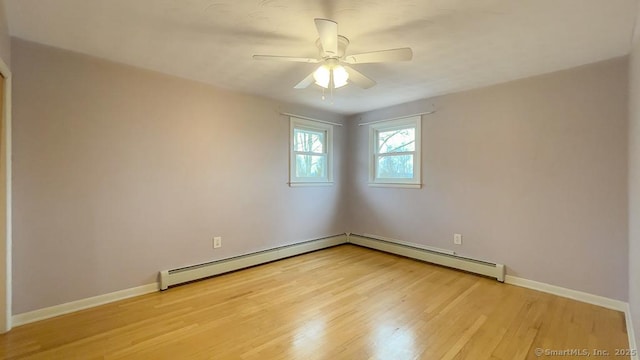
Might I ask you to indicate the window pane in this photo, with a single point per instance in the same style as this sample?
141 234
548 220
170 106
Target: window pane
395 167
397 140
308 141
311 166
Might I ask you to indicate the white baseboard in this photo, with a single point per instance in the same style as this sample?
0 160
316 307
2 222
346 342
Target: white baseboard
66 308
568 293
57 310
631 332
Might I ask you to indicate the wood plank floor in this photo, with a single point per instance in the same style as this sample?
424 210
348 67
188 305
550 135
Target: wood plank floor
345 302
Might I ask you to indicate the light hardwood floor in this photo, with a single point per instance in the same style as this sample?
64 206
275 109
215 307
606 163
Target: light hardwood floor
345 302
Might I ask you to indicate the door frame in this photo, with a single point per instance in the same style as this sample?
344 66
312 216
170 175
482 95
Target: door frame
5 237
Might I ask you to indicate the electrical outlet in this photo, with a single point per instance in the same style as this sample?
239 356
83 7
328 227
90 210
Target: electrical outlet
217 242
457 239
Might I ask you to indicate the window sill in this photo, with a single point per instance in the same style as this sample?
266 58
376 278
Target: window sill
301 184
396 185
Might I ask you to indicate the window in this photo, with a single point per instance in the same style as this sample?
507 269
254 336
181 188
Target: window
311 153
395 153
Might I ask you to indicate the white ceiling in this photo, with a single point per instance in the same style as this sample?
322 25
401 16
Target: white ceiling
457 44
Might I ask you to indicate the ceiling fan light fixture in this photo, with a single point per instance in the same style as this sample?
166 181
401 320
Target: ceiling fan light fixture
322 76
340 76
324 73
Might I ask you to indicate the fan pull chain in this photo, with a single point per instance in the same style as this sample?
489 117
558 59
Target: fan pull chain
331 90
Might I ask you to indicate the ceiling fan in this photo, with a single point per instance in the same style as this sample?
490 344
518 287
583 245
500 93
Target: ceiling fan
334 71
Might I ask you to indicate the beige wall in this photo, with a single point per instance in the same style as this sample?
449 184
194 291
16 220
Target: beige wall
533 173
5 40
121 172
634 188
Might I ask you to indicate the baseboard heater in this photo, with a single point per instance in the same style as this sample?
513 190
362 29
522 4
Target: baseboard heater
195 272
449 260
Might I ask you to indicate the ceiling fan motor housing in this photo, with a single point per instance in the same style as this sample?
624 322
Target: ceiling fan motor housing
343 42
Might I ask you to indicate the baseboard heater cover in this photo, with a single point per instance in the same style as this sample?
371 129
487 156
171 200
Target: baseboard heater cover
195 272
449 260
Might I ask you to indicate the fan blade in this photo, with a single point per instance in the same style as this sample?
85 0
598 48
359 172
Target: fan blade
358 78
403 54
328 32
305 82
285 58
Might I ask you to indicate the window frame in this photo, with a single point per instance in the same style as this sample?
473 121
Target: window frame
390 125
315 126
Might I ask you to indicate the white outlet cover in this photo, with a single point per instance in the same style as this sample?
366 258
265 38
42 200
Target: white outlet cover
457 239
